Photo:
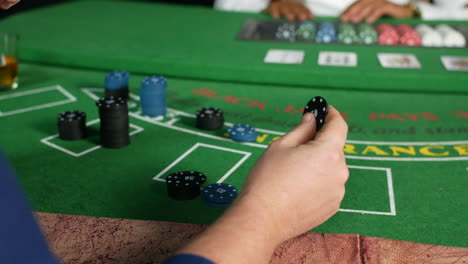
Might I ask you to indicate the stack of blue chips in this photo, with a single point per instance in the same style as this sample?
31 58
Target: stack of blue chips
153 96
326 33
116 84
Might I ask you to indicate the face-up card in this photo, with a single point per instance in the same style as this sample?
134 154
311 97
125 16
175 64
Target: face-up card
455 63
284 56
345 59
393 60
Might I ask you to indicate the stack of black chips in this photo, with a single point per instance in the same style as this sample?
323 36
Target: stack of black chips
210 118
184 185
114 130
117 93
319 108
72 125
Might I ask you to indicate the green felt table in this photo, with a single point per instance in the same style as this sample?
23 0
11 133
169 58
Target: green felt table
407 147
201 43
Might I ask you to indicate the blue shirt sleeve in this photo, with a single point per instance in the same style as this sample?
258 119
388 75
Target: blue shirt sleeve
187 259
21 240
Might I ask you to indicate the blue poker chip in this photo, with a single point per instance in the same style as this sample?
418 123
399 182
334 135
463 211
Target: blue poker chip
219 194
153 96
154 82
323 37
116 80
327 25
242 133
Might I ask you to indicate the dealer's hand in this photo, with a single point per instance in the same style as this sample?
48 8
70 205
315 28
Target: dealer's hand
295 186
371 10
5 4
289 9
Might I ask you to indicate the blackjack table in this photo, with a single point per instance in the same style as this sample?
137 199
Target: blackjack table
407 147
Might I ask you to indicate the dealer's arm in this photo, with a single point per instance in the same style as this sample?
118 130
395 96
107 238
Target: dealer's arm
5 4
371 10
296 185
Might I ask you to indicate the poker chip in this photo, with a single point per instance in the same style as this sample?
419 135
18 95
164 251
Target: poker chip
153 96
347 34
429 36
326 33
306 31
319 108
219 194
387 35
451 37
116 84
408 36
463 30
367 34
71 125
286 31
210 118
242 133
114 122
184 185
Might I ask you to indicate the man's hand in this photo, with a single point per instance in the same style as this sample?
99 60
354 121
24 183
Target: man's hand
300 179
289 9
5 4
296 185
371 10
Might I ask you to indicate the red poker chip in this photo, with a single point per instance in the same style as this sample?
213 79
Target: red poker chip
388 39
411 41
402 29
391 33
384 28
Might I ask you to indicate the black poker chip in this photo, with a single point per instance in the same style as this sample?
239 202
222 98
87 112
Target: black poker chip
184 185
319 108
122 93
114 127
210 118
286 31
72 125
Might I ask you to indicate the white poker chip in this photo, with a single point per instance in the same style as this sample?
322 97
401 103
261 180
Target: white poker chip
451 37
429 36
454 39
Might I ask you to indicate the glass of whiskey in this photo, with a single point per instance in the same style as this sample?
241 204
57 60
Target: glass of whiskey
8 61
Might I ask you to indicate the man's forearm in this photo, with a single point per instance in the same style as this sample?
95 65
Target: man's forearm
243 235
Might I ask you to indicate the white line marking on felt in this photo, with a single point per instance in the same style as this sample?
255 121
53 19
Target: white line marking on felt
391 195
59 88
172 111
172 121
23 93
147 119
88 91
157 177
74 154
197 145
